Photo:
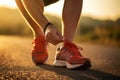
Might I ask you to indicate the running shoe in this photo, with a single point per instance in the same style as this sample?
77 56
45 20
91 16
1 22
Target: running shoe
69 55
39 50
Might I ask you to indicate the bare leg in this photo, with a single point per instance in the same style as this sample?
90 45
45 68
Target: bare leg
70 16
70 53
33 9
34 26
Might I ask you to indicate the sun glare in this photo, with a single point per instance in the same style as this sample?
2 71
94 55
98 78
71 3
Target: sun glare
103 9
8 3
55 8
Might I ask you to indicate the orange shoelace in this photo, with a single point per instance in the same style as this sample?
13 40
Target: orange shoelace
39 44
73 46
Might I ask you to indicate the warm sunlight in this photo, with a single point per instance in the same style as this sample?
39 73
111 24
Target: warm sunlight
55 8
101 9
8 3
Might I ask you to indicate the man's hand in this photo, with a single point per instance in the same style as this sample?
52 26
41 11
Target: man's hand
53 35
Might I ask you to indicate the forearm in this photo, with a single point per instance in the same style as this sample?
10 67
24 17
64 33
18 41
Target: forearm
35 11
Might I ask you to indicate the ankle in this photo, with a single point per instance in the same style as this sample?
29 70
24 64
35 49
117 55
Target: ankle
38 34
39 38
67 42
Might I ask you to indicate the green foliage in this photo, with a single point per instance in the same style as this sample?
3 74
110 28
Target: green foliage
12 23
107 32
89 29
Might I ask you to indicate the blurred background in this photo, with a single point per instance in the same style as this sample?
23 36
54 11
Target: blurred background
98 33
99 23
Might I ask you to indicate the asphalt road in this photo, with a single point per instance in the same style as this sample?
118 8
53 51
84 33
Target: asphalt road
16 63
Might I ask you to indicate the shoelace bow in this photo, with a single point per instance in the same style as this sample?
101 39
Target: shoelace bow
70 44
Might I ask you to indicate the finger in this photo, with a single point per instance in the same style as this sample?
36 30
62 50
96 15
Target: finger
51 40
60 36
56 38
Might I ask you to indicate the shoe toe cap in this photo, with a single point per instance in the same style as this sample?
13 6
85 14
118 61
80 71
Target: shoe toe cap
78 60
39 58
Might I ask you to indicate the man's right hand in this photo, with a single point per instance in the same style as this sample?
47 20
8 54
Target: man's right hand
53 35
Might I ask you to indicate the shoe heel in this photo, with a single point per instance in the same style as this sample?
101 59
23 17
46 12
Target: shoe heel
59 63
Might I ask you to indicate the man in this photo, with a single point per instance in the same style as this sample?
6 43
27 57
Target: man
68 55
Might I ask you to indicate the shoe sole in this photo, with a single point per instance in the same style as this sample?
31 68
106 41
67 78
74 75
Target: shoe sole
86 65
60 63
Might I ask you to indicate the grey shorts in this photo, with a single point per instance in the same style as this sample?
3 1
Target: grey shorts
48 2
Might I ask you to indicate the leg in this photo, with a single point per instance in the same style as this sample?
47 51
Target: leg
34 10
35 27
32 7
39 49
69 55
70 16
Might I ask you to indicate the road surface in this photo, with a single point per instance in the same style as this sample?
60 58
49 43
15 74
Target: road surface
16 63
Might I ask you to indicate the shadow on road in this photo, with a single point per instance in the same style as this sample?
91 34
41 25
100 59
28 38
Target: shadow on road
78 74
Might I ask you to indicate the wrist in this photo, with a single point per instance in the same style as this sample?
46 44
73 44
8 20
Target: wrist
47 26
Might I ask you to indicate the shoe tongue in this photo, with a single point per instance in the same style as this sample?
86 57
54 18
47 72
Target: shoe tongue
72 47
69 44
40 43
